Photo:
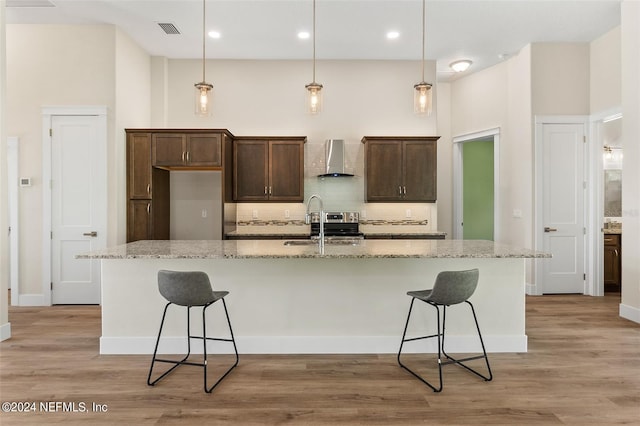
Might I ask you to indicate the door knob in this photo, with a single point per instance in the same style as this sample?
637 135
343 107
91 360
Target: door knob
547 229
90 234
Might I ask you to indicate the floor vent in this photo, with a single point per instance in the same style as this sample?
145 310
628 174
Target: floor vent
169 28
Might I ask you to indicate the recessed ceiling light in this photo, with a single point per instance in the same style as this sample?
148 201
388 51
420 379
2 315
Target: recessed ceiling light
303 35
460 66
392 35
214 34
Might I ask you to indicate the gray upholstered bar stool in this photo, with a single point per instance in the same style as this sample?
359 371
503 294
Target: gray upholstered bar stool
190 289
450 288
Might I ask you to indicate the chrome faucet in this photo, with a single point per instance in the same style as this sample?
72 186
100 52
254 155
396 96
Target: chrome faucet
307 218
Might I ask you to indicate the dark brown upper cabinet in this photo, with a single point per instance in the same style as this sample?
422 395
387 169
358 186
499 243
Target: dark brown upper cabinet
268 169
151 155
139 166
187 150
400 169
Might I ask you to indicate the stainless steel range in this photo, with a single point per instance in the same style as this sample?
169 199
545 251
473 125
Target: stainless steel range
337 224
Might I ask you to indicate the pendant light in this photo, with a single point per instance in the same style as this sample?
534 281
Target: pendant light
203 89
314 90
422 91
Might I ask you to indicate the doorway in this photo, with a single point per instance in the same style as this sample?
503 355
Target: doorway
74 203
476 180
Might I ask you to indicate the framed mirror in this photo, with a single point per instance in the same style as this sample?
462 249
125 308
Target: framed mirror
613 193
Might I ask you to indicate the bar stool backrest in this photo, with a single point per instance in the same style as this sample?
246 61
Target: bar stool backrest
185 288
453 287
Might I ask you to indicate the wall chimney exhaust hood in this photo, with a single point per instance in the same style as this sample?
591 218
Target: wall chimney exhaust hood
334 159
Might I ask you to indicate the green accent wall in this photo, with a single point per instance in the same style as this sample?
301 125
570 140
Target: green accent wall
477 198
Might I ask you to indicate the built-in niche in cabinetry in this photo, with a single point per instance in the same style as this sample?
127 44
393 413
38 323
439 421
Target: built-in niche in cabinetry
268 169
153 155
400 169
612 262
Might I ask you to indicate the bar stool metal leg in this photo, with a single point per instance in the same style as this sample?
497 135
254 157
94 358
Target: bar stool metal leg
204 338
438 334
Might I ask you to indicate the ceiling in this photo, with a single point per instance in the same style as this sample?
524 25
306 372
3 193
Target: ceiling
484 31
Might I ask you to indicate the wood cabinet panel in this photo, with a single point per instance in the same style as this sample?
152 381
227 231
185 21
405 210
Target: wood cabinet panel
400 169
204 150
268 170
169 149
139 166
383 171
139 224
250 170
612 262
286 171
420 171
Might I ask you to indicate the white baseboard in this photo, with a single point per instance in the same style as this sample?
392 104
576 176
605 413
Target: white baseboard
531 289
31 300
5 331
312 345
630 313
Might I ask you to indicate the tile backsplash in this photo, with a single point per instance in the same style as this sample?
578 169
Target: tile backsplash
338 194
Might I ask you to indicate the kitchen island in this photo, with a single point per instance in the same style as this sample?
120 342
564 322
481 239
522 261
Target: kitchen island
291 297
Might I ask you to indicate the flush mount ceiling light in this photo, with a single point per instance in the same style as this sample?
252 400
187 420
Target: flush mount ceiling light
422 91
392 35
460 66
314 90
203 89
214 34
304 35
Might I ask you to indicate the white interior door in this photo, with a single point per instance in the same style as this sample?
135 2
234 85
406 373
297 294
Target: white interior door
78 207
563 210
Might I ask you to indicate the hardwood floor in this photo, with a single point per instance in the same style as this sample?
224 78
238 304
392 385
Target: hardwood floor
583 367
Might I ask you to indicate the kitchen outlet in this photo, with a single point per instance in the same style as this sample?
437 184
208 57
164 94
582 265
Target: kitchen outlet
254 215
287 214
204 213
408 213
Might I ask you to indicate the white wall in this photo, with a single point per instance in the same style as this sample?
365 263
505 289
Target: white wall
132 109
50 65
605 65
630 48
5 327
499 97
560 78
254 97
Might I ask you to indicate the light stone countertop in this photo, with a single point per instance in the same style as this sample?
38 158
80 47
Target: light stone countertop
276 249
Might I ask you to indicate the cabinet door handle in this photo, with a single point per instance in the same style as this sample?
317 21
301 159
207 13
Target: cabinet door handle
188 156
265 190
148 208
404 190
270 190
148 188
616 252
399 190
183 155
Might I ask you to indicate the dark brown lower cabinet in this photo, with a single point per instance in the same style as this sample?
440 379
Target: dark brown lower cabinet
612 262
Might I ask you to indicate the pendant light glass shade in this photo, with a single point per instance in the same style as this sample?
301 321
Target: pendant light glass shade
314 97
203 90
203 98
422 98
423 91
314 90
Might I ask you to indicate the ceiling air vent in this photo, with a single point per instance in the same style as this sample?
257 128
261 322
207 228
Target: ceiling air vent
169 28
30 3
